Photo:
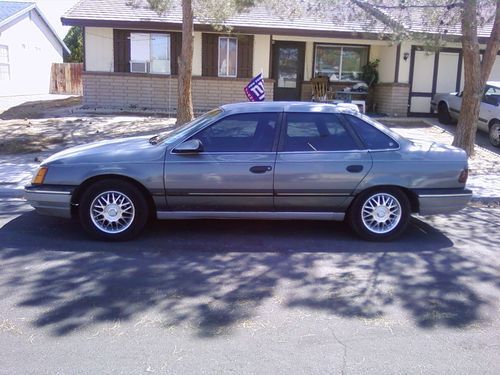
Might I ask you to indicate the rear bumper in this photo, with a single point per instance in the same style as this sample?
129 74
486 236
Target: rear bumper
442 201
50 200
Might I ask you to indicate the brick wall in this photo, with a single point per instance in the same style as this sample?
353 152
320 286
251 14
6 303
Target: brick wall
392 98
144 91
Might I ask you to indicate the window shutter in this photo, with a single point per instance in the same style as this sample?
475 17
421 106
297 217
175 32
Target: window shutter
245 56
121 50
210 54
175 52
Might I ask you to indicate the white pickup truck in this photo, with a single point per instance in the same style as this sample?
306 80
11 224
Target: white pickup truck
448 106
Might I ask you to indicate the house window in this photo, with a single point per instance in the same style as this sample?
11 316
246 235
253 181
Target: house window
4 63
340 63
228 56
150 53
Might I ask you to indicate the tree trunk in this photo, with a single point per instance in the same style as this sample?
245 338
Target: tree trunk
469 112
476 72
185 100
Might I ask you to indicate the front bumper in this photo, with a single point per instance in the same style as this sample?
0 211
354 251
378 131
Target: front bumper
50 200
442 201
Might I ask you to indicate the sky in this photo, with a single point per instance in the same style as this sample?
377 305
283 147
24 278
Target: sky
53 10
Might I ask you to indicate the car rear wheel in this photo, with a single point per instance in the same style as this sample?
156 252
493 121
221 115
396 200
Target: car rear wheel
113 210
380 215
444 116
494 134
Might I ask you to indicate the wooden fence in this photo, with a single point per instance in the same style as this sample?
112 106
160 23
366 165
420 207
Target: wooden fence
66 78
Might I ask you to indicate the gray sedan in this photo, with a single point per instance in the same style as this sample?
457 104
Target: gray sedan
269 160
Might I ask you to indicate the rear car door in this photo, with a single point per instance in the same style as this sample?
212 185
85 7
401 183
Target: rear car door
320 163
233 171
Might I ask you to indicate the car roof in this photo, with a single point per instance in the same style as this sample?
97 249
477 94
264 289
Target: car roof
284 107
494 83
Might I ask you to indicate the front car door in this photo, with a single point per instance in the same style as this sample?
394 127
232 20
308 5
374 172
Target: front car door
232 172
319 164
489 107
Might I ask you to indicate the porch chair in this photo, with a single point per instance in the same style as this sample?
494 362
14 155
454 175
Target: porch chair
320 91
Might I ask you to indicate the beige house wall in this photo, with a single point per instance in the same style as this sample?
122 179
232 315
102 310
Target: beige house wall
197 59
387 57
261 55
99 49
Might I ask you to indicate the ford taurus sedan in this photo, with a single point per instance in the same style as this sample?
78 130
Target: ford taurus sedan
267 160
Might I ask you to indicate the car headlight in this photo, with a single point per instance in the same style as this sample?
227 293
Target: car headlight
40 176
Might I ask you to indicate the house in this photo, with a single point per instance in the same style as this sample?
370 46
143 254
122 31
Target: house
28 47
131 54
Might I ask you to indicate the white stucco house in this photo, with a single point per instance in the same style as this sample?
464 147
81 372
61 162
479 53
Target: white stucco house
28 47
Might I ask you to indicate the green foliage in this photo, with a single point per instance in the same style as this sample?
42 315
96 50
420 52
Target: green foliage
370 73
74 41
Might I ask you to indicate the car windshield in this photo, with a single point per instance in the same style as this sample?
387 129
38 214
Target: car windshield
173 135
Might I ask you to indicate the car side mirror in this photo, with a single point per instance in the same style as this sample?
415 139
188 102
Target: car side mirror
192 146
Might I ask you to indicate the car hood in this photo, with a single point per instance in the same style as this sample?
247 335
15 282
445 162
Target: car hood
122 150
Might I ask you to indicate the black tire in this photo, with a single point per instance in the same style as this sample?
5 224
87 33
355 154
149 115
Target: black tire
127 215
444 116
361 225
494 133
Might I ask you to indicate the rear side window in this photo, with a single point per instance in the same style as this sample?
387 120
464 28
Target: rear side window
373 138
316 132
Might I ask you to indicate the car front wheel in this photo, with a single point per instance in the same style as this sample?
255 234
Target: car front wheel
380 215
494 134
113 210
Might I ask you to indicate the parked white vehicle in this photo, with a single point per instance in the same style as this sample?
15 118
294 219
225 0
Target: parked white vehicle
448 106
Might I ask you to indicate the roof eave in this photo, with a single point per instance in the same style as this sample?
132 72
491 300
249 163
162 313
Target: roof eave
17 15
156 25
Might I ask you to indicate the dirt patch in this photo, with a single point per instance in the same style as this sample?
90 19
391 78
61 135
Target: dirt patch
28 144
39 109
37 135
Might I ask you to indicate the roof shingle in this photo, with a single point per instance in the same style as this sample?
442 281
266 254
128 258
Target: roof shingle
258 17
10 8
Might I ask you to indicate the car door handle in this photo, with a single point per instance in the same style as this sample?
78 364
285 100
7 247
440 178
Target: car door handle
354 168
261 169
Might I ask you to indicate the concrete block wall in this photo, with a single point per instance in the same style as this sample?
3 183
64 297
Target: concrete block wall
392 98
129 91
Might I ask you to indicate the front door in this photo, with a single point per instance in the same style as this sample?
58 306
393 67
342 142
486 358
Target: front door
232 172
288 69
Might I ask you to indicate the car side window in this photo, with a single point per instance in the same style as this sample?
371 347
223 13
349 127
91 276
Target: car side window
316 132
491 95
246 132
373 138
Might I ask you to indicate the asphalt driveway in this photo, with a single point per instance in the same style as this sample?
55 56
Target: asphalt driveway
249 297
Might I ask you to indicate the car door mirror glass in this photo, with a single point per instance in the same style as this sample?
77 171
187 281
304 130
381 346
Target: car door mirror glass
189 147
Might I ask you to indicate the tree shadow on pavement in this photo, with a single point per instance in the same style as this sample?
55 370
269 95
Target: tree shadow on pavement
214 275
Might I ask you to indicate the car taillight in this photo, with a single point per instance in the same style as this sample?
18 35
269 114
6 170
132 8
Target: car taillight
464 174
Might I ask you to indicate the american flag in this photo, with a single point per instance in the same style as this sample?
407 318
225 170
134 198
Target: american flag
255 89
